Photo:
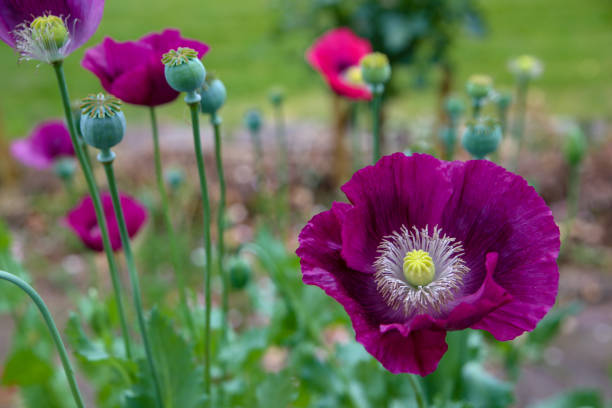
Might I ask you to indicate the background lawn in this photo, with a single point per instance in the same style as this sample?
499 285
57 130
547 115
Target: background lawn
573 38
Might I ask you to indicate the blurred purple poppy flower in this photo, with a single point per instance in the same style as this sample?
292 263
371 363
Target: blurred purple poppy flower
486 236
48 142
336 55
81 19
132 71
82 220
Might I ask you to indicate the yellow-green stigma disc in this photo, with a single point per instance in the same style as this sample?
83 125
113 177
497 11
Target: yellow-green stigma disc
51 30
419 268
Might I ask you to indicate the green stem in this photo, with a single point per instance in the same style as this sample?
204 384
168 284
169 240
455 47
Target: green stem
283 167
194 108
85 164
216 123
476 107
174 249
57 339
257 156
355 136
418 392
376 103
131 265
519 123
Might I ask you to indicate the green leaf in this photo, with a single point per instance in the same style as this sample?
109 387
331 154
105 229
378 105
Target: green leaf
24 367
180 378
85 350
582 398
484 390
549 327
277 391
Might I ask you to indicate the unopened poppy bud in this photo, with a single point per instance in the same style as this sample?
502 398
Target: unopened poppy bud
175 177
526 67
479 86
102 122
276 96
184 71
481 137
213 95
454 108
375 68
253 120
574 148
240 272
503 100
64 168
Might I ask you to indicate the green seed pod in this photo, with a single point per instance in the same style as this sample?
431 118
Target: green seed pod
184 71
482 137
253 120
479 86
503 100
213 95
175 178
454 108
276 96
240 272
375 68
102 122
575 146
64 168
50 31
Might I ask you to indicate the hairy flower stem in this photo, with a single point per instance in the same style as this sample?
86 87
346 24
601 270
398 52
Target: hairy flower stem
57 339
85 164
215 120
519 121
376 104
418 392
283 168
174 249
131 265
194 105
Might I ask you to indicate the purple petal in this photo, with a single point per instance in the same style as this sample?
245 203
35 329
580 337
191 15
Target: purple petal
49 141
397 191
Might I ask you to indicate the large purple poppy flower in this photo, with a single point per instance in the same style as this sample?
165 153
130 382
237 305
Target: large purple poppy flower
487 236
81 17
82 220
48 142
132 71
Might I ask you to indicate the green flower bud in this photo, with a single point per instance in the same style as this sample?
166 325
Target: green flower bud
253 120
375 68
575 146
184 71
64 168
276 96
454 108
503 100
175 177
50 31
240 272
213 95
479 86
102 122
481 137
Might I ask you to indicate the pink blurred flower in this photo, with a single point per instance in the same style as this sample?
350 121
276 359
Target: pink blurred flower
48 142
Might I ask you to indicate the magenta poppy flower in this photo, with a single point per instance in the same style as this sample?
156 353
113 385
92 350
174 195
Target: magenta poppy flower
133 71
81 19
48 142
427 246
336 55
82 220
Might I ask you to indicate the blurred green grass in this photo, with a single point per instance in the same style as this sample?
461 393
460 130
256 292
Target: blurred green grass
572 38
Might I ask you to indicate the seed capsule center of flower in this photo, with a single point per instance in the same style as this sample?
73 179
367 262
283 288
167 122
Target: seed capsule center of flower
50 30
353 76
419 268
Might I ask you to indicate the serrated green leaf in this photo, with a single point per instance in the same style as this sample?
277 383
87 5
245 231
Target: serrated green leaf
583 398
24 367
180 378
86 350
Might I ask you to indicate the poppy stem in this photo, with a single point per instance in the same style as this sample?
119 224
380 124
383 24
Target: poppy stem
418 392
57 339
85 164
257 158
355 136
194 104
283 168
376 104
131 266
519 121
174 250
215 120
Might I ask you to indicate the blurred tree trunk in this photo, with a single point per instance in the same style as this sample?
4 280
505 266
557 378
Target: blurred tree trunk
341 165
